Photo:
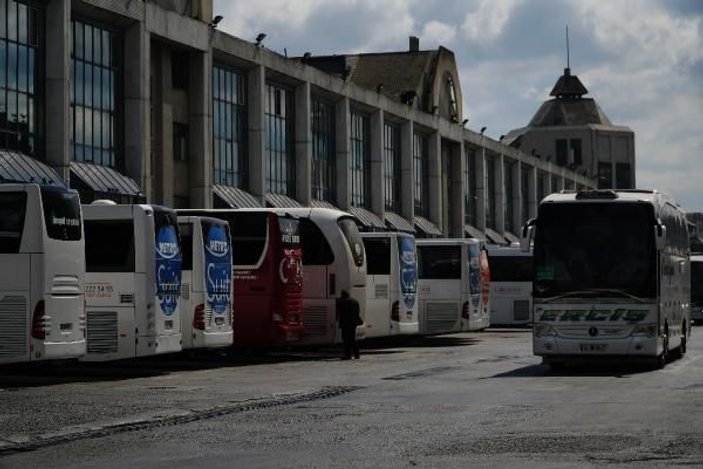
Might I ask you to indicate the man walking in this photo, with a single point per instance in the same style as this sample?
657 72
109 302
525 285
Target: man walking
349 317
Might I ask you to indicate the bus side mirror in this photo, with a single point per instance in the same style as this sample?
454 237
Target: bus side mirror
660 236
526 235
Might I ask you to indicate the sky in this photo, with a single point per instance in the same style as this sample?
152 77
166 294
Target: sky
641 60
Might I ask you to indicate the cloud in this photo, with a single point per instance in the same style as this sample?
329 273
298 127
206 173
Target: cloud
488 20
436 33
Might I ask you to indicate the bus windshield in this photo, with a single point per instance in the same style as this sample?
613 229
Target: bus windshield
62 214
378 252
439 262
697 282
510 268
595 246
351 234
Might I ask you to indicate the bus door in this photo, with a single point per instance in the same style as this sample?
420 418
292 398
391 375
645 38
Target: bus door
320 286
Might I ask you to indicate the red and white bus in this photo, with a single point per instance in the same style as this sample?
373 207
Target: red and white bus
268 282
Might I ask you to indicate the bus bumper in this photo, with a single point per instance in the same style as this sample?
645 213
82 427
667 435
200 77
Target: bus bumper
213 339
635 346
62 350
408 328
168 343
289 333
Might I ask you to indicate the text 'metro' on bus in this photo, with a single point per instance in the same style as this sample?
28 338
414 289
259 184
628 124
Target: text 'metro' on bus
697 288
511 285
42 276
206 286
611 275
267 271
391 288
450 286
133 280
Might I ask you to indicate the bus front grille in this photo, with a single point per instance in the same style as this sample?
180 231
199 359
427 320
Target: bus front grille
102 332
441 317
381 291
315 321
13 326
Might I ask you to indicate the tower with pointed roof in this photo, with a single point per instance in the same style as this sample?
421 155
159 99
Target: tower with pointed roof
572 131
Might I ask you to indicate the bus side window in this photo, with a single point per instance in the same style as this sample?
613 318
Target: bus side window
378 256
109 246
248 231
13 206
316 249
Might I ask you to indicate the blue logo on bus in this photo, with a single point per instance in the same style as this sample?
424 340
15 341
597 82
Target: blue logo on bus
218 268
168 269
408 270
474 275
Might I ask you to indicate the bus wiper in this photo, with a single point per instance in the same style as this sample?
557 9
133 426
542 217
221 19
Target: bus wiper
595 291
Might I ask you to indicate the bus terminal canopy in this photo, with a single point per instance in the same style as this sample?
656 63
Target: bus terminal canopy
234 197
104 182
280 201
369 220
473 232
18 167
398 223
427 227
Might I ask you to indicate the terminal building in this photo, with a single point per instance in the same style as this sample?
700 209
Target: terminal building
147 101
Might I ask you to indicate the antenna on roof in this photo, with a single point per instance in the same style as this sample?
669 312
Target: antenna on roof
568 65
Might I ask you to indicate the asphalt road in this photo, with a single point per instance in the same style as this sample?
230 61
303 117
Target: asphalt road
462 400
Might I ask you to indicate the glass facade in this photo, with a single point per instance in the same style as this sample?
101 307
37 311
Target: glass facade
280 157
490 191
20 106
323 150
228 127
421 173
470 193
360 155
391 166
95 67
622 176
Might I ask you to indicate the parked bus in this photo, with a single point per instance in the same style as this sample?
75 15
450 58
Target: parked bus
697 288
511 285
267 273
450 285
611 276
391 284
206 285
133 280
42 255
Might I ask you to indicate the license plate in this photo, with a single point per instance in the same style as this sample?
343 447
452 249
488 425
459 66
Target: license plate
66 327
592 348
219 321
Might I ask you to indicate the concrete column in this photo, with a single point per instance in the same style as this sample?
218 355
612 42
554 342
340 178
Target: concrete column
435 178
377 180
303 144
256 81
162 151
343 131
200 129
548 183
532 198
517 195
499 194
457 207
480 180
137 123
407 186
58 72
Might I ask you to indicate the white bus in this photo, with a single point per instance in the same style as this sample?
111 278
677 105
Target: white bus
611 276
333 260
450 286
133 280
42 272
511 285
206 285
391 284
697 288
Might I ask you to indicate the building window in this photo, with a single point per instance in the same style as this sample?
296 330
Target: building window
470 217
622 176
562 152
576 156
421 185
605 175
228 127
509 208
323 150
179 70
280 157
391 166
19 77
360 155
180 142
94 84
541 185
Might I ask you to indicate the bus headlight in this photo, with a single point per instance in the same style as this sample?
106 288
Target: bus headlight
644 330
544 330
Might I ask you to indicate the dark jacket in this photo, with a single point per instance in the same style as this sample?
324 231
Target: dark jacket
349 313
